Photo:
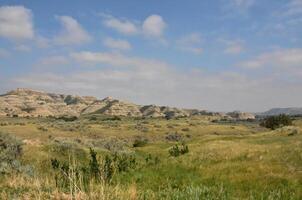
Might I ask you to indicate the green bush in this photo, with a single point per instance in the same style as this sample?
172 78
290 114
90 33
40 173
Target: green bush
123 162
176 151
274 122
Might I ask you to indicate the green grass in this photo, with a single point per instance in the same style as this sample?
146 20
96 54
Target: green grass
225 161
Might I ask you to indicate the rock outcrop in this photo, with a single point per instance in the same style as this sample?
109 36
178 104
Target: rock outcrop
241 115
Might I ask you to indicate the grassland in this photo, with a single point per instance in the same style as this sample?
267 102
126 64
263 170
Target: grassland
225 160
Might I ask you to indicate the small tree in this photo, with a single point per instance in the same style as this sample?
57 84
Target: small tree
274 122
94 165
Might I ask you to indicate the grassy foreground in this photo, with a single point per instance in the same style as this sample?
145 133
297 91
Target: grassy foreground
225 160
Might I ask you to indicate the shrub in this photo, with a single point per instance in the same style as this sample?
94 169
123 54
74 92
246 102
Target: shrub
42 128
123 162
67 118
10 152
174 137
274 122
65 148
112 118
3 124
176 151
111 144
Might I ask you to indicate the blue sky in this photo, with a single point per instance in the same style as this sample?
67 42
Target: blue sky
217 55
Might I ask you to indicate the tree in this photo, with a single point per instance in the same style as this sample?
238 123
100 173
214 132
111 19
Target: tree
274 122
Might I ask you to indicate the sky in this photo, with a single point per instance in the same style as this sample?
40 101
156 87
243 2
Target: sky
219 55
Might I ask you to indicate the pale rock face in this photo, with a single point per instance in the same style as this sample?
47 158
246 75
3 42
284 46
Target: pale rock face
122 109
241 115
26 102
152 111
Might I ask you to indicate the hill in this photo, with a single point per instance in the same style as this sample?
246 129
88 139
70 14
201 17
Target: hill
26 102
287 111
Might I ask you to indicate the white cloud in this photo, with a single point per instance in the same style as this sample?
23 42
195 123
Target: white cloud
233 47
191 43
154 26
117 44
4 53
283 58
119 60
122 26
16 23
72 33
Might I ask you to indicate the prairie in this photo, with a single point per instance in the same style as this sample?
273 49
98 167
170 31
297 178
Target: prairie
225 160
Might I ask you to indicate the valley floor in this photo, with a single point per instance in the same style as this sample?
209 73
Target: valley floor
238 160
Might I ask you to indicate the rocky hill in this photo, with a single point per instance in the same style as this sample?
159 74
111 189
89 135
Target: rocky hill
278 111
27 102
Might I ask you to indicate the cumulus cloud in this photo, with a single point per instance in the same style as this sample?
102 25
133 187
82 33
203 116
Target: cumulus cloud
72 33
16 23
121 25
117 44
191 43
154 26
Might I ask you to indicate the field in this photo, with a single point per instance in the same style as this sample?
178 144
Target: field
134 160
